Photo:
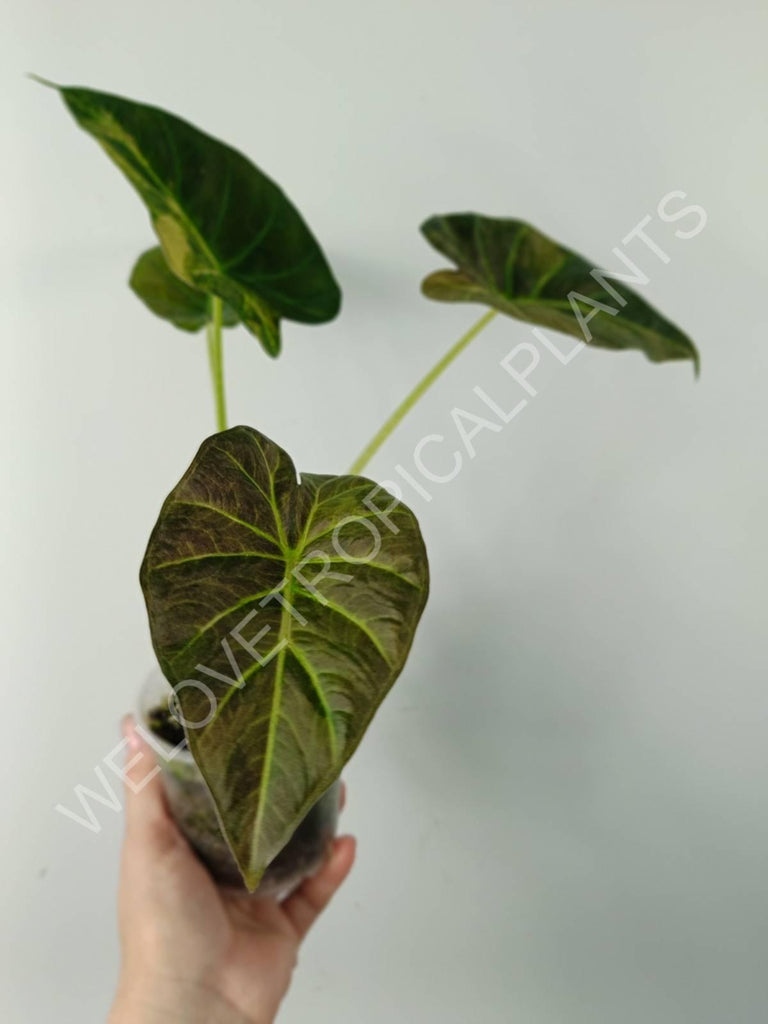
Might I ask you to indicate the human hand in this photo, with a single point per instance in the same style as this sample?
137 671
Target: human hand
192 951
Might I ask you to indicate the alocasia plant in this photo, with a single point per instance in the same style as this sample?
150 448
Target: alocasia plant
329 588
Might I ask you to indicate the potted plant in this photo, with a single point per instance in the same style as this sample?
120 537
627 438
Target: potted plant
282 607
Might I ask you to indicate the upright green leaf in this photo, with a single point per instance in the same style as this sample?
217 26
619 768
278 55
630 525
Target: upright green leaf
295 604
509 265
169 298
224 226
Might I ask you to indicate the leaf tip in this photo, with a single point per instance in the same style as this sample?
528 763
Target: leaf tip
43 81
696 363
252 877
271 342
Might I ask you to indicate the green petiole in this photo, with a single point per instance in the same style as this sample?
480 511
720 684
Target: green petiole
421 388
216 360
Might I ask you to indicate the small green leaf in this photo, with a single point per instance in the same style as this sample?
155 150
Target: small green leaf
224 226
509 265
245 558
168 297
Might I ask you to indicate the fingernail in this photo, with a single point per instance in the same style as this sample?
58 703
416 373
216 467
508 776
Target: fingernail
130 733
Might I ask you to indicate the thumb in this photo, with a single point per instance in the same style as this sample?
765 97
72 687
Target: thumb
145 809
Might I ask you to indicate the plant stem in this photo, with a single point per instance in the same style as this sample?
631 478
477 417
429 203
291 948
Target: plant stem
216 360
424 384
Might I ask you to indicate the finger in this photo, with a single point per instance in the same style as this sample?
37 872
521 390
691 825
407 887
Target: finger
145 810
304 906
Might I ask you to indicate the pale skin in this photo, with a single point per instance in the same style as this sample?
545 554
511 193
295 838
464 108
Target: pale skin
192 951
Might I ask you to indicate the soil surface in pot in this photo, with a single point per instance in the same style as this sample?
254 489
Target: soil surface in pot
163 724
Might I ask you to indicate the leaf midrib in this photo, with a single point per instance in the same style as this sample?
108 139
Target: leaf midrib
285 643
283 640
167 192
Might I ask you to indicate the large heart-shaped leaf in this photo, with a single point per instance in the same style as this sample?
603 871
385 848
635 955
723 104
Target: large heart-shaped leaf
509 265
169 298
281 612
225 227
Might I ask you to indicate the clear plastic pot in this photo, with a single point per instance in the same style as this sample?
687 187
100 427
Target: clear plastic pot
192 807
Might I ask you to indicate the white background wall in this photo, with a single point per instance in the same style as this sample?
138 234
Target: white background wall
562 807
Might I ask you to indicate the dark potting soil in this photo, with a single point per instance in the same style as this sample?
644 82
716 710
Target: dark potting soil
163 724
